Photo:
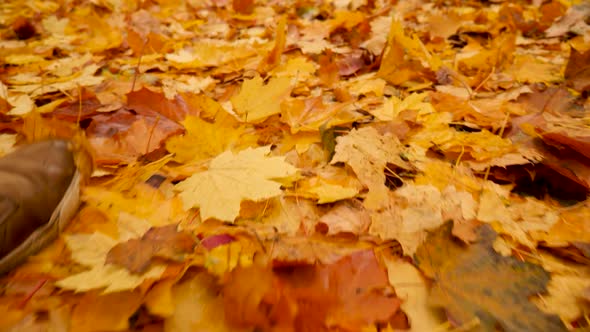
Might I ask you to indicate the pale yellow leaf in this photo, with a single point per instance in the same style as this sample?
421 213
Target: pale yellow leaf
516 218
564 298
328 192
346 217
412 289
232 178
22 104
368 153
415 209
7 142
91 251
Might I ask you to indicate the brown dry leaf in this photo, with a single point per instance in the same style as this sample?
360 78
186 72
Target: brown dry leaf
274 56
462 285
150 103
124 136
163 242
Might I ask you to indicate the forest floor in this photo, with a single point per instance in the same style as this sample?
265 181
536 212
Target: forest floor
325 165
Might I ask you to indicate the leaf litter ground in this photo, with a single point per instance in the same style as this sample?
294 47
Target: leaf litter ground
344 165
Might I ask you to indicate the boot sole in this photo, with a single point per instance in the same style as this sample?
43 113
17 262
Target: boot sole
44 235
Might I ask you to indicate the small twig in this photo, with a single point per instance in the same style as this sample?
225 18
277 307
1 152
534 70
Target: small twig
138 63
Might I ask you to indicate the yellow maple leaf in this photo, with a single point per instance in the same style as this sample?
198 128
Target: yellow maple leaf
518 219
91 250
255 102
328 192
531 69
203 139
299 67
223 259
210 53
147 203
480 146
232 178
415 304
393 105
405 57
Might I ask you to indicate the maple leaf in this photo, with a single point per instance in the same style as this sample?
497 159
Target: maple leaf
368 153
150 103
463 287
91 250
346 217
232 178
210 53
203 139
530 69
573 225
273 58
564 295
160 242
403 57
415 209
255 102
516 219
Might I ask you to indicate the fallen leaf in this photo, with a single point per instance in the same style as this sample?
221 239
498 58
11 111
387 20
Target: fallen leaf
150 103
412 289
203 139
256 101
105 312
564 296
197 307
347 294
160 242
516 219
232 178
461 284
347 217
403 56
90 250
577 71
368 153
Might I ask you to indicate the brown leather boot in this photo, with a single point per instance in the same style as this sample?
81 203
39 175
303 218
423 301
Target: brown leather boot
39 193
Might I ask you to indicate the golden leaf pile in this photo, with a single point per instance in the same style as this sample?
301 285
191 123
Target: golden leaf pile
333 165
